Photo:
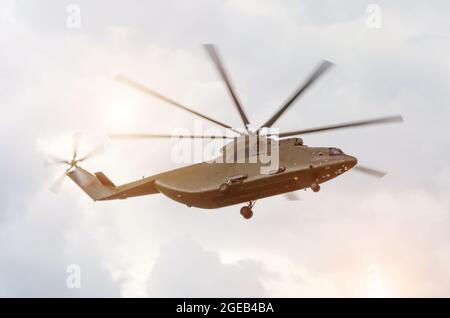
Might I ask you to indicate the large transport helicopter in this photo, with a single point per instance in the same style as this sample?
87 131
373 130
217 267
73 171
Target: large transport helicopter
216 184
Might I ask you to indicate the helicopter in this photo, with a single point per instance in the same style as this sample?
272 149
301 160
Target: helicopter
220 183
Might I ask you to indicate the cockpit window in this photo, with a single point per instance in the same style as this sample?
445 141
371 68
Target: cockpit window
335 152
298 142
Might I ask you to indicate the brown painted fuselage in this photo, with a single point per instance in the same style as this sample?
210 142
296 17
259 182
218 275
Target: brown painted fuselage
199 185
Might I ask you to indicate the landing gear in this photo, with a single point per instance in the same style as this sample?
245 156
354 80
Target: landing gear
315 187
246 211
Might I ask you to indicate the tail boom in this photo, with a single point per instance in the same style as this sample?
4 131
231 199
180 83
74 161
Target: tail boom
98 187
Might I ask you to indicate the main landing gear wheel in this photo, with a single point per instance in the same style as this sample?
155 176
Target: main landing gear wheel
315 187
246 212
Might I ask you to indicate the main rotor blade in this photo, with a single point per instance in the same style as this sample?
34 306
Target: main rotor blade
145 136
212 52
321 69
94 152
292 196
148 91
370 171
382 120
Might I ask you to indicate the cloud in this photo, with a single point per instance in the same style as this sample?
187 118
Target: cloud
40 242
56 81
184 269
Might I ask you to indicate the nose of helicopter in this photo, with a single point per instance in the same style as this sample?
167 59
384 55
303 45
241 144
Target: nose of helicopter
350 161
342 164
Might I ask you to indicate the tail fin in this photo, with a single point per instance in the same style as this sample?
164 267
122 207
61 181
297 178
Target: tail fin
97 187
104 179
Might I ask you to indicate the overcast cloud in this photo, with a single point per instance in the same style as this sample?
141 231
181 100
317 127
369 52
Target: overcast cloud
358 237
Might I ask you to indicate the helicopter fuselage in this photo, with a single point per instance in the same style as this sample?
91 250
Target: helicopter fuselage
216 184
211 185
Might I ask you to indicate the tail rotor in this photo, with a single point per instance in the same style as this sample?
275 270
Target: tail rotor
73 162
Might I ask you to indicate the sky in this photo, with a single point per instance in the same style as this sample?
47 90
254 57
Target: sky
357 237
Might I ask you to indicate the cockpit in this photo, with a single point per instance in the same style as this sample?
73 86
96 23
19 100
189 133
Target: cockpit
335 152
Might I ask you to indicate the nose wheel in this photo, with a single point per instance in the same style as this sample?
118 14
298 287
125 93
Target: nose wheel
246 211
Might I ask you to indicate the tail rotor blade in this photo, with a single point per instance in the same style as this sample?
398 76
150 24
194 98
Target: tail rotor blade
71 163
369 171
52 160
58 182
94 152
75 144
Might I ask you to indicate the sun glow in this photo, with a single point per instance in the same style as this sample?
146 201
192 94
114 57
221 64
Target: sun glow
120 114
119 110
